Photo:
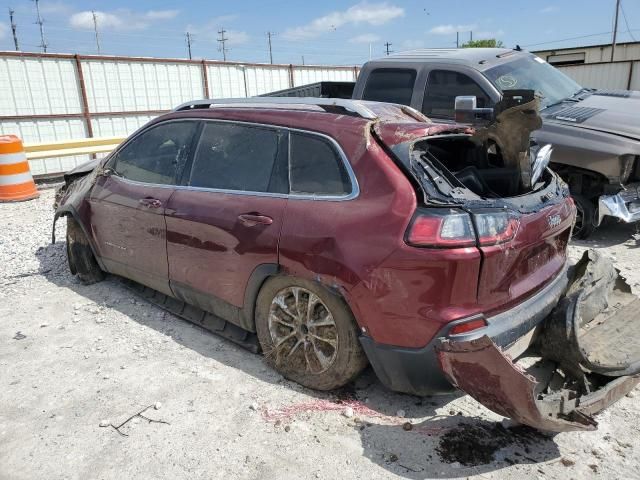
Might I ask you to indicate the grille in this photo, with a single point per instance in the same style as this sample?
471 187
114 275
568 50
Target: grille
613 93
576 114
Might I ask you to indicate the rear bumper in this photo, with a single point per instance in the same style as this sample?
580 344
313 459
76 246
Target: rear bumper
624 205
417 371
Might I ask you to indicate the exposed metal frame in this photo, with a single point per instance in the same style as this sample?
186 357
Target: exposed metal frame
354 106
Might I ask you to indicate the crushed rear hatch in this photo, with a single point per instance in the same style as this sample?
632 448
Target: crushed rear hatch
585 357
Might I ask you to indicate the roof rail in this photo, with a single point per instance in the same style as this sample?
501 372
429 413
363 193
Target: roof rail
354 106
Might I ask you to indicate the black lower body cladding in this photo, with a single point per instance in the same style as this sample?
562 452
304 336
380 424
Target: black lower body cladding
584 359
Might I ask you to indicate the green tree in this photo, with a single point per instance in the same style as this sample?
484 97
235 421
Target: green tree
489 43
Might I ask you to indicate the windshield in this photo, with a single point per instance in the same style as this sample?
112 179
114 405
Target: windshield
533 73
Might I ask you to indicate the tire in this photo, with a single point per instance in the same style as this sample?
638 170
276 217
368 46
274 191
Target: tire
321 357
80 256
585 217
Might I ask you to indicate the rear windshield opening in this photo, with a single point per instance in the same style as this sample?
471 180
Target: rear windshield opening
477 167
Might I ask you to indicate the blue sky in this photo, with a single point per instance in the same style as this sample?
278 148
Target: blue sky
324 32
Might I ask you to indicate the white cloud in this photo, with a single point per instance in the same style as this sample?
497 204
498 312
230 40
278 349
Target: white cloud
161 14
120 19
361 13
365 38
236 37
549 9
487 34
451 29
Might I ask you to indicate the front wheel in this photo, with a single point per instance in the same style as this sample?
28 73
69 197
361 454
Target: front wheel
585 217
308 334
80 256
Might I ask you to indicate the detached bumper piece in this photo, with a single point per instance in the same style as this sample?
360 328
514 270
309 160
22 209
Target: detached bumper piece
585 358
624 205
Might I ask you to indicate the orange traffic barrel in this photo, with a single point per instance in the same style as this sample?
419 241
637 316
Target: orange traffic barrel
16 182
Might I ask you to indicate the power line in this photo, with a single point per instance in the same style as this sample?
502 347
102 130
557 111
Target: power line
14 29
189 42
269 34
95 29
222 40
624 15
39 22
387 45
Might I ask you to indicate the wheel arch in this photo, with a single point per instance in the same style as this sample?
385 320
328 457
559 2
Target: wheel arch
69 211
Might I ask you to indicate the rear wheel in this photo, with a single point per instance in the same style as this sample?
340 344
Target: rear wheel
585 217
308 334
80 256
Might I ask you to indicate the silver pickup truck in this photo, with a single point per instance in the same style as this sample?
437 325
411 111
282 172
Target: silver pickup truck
595 133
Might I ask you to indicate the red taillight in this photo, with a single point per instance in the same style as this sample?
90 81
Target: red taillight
466 327
441 228
495 227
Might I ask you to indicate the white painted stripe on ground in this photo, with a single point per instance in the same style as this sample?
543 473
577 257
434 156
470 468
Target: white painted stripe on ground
9 158
15 179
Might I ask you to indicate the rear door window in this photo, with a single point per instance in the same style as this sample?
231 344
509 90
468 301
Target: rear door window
394 85
443 86
316 167
158 154
241 158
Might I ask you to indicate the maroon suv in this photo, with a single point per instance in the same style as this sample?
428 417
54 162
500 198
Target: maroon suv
334 232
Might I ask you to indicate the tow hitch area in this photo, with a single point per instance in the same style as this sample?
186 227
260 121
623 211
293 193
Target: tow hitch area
585 357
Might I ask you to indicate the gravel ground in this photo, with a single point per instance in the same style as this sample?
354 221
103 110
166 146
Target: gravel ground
74 357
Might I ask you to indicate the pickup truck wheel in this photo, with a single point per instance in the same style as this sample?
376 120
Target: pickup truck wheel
308 334
585 217
80 256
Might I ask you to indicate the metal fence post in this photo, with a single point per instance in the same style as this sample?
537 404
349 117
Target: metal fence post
205 79
83 96
291 85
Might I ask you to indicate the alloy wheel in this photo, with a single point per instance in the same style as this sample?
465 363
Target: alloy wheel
303 331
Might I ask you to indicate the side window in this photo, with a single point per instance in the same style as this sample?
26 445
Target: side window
316 167
238 157
443 86
157 155
394 85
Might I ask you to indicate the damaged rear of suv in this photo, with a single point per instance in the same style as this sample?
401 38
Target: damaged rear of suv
543 341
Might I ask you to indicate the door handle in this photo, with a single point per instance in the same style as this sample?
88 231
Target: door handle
251 220
150 202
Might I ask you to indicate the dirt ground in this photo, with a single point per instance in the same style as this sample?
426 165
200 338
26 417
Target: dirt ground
73 357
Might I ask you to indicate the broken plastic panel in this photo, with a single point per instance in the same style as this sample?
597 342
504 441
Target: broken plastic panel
586 356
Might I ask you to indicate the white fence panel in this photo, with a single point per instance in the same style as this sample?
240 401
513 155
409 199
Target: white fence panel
601 75
118 126
47 131
305 75
226 81
117 86
266 79
38 86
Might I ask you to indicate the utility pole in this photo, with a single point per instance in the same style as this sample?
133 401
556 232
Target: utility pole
222 40
457 39
471 36
387 45
95 29
269 34
189 42
302 59
13 29
615 30
39 22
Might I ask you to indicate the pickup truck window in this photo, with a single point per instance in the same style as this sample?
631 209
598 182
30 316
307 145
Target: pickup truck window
443 86
394 85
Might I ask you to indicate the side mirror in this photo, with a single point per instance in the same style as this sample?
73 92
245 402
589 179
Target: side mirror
466 111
